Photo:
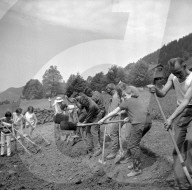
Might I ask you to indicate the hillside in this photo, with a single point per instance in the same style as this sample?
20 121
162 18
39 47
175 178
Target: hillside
11 94
177 48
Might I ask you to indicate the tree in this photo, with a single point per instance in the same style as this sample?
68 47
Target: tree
75 83
98 82
51 78
139 75
33 90
115 74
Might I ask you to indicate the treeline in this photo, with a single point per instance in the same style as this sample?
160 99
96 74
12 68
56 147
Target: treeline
52 84
177 48
136 74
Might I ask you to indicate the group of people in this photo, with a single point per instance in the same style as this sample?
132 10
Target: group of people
89 107
17 126
125 103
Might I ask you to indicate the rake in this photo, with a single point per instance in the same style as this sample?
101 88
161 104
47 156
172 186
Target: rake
5 124
175 145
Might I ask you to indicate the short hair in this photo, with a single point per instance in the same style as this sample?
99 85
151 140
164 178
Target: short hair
87 91
30 108
128 89
173 61
18 110
111 86
74 94
63 106
8 114
84 100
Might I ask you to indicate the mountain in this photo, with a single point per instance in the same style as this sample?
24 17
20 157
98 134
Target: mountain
177 48
11 94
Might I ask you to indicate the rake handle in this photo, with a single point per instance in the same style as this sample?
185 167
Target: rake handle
175 145
89 124
18 141
27 138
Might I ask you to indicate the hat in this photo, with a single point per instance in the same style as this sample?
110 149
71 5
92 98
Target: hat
58 99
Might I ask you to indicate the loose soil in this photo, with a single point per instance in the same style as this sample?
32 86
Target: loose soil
61 166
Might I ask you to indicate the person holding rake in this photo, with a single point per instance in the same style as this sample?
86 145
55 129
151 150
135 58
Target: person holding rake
140 120
6 133
180 120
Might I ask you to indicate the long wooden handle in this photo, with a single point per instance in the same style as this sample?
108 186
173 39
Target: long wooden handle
26 138
103 149
120 139
175 145
89 124
18 141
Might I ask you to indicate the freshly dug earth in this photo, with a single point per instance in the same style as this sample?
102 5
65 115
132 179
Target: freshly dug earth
61 166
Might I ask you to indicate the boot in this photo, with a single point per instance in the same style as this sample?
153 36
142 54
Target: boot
134 173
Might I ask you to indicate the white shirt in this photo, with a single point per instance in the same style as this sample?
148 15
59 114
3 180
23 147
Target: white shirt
182 87
18 120
30 117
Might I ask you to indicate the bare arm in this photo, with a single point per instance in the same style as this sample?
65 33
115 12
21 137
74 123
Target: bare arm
185 102
164 90
111 114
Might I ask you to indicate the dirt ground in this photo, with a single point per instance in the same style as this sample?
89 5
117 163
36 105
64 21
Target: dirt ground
60 166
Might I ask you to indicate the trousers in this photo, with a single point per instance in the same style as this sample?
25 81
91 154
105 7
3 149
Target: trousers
183 136
7 138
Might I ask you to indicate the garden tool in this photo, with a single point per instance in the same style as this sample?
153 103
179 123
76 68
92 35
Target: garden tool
28 139
175 145
103 150
17 139
48 143
67 125
121 152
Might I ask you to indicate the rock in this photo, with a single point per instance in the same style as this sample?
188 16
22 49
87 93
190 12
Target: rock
78 182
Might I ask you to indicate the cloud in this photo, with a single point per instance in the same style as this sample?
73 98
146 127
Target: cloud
79 14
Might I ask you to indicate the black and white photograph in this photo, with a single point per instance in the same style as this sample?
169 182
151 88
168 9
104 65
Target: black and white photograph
96 94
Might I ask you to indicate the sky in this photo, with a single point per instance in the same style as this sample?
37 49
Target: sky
83 36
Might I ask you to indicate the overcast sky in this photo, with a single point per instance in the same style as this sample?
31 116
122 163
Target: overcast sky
77 35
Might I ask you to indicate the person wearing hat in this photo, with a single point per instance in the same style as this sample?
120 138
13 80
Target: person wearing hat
56 105
140 120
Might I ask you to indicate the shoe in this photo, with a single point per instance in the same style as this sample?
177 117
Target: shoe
10 155
111 156
130 166
119 157
97 152
134 173
2 155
